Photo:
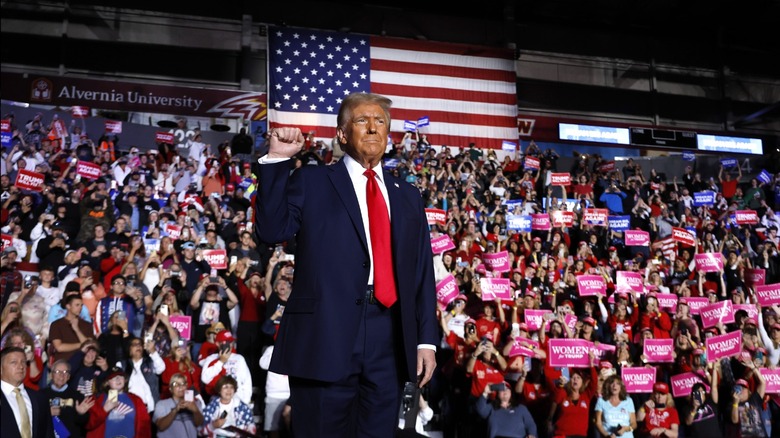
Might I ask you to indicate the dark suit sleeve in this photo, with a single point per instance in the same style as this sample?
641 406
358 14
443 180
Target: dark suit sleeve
427 323
277 216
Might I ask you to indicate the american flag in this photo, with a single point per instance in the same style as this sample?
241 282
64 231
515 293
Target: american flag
469 93
668 246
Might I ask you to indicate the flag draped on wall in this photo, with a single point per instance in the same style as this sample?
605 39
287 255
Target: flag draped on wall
468 93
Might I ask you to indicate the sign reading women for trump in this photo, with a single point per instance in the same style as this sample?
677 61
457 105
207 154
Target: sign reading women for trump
524 347
726 345
682 384
447 290
754 277
768 294
638 379
183 324
493 288
695 304
498 261
772 378
659 350
709 262
540 221
569 353
712 314
637 238
590 285
630 281
534 318
441 244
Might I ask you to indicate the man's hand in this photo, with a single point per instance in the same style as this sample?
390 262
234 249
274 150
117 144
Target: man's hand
426 364
285 142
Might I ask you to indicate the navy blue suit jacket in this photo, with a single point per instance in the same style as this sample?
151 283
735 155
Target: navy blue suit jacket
42 426
318 206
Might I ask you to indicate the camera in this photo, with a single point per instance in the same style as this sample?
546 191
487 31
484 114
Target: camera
27 281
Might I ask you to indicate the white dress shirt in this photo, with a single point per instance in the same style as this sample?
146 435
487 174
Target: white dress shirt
10 396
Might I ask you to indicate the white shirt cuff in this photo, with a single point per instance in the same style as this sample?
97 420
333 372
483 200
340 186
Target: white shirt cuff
265 160
426 346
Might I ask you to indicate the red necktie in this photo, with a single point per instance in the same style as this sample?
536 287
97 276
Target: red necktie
379 227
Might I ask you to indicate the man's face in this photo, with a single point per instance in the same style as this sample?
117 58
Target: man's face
74 307
118 286
60 375
14 368
365 134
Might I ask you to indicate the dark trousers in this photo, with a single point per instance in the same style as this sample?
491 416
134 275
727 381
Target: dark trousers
366 402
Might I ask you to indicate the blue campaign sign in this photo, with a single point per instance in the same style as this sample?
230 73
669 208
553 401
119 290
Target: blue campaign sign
423 121
520 223
409 126
619 223
691 230
5 139
728 162
689 156
703 198
391 163
508 146
764 176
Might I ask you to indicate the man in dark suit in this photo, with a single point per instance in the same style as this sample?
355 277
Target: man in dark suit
24 413
361 318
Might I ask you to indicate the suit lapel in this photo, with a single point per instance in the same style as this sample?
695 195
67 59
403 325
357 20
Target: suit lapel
396 211
339 177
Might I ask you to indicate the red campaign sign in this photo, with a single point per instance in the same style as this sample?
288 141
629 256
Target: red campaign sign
436 216
683 236
607 166
531 163
27 180
113 127
560 179
79 112
7 240
5 125
173 230
747 217
58 129
562 218
163 137
88 170
217 258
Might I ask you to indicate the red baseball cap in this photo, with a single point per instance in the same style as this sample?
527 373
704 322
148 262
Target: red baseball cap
225 336
742 382
230 187
662 388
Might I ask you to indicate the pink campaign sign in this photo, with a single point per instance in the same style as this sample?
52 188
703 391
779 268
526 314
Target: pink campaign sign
709 262
629 280
683 383
667 301
772 378
602 350
726 345
590 285
659 350
540 221
498 261
749 308
183 324
441 244
754 277
711 314
637 238
569 353
534 318
493 288
447 290
524 347
696 303
768 294
638 379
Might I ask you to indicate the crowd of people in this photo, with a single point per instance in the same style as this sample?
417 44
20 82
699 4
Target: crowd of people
126 325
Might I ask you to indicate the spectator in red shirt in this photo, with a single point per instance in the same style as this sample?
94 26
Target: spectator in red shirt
490 322
657 418
571 406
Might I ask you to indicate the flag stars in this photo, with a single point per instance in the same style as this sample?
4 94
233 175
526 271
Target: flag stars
321 98
287 79
355 67
295 106
296 36
355 84
313 37
304 97
313 54
295 88
313 90
330 109
286 97
346 57
288 61
304 45
314 72
338 48
296 53
338 83
297 71
363 59
305 80
313 107
339 65
329 91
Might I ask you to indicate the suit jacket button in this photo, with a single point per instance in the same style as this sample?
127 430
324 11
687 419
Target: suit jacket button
359 301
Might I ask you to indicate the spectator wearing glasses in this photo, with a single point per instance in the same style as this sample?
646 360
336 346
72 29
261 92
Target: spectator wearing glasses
144 367
118 300
181 414
68 406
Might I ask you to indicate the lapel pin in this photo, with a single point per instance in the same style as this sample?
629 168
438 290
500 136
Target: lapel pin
396 184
